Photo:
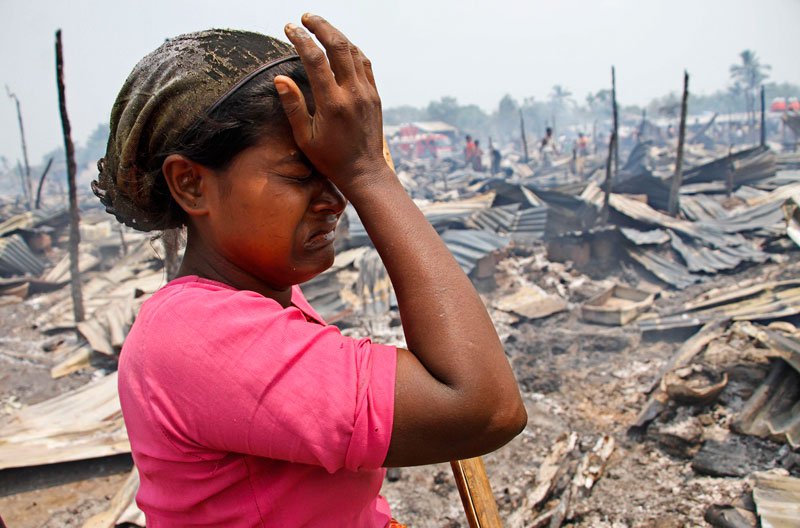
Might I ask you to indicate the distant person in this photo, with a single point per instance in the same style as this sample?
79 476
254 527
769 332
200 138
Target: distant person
469 151
477 158
547 147
579 152
496 158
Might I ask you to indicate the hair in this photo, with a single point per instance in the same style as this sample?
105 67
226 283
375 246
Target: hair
215 139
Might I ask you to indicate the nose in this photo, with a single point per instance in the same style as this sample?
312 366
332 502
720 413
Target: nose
329 199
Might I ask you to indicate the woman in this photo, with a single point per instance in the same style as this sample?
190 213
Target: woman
242 406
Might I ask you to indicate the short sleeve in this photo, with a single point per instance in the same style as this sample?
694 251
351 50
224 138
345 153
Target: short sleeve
236 372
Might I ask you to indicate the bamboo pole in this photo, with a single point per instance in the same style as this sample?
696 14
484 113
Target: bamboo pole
74 215
476 493
677 179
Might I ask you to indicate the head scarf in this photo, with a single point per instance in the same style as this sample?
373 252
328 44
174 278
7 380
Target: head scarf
167 92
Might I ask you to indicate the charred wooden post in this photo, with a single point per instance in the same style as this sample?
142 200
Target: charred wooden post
642 125
729 176
616 118
41 183
763 119
74 231
677 179
524 139
27 186
607 183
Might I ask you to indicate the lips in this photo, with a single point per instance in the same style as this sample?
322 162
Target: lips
325 235
321 239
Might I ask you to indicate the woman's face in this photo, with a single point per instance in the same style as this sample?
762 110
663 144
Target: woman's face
272 216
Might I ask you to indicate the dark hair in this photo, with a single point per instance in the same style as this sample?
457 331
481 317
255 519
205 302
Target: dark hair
215 139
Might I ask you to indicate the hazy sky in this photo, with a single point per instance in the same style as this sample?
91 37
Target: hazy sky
421 49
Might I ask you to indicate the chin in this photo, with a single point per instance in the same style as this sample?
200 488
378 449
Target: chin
313 271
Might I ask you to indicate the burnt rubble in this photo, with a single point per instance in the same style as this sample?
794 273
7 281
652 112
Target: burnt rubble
646 343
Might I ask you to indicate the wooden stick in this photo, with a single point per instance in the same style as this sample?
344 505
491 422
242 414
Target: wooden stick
476 493
470 474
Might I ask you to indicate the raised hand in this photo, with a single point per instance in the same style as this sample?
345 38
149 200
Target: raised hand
343 136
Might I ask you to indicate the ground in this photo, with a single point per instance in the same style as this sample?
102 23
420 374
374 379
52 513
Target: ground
574 376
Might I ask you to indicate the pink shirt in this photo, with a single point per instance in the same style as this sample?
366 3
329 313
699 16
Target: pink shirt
243 413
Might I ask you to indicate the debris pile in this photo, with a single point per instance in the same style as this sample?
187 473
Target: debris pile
587 291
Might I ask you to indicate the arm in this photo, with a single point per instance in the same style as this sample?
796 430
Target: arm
456 395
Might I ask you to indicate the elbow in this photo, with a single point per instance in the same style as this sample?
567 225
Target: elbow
513 420
507 422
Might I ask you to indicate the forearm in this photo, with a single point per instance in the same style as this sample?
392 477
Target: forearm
444 320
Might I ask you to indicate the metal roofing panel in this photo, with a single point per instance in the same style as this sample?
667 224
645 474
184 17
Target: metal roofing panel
469 246
16 257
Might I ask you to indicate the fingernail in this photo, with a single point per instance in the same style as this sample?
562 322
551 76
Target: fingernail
282 88
297 31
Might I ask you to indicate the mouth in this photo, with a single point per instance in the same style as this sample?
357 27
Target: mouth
321 239
325 235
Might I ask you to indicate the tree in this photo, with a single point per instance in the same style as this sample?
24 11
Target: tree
749 75
558 99
507 117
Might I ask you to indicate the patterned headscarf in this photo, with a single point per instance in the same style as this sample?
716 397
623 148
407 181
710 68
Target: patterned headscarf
166 93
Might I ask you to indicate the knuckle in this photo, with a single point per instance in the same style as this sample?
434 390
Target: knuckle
340 45
316 58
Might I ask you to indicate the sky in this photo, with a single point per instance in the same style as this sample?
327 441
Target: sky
422 50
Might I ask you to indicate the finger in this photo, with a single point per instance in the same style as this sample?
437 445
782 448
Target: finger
358 62
320 76
367 65
294 104
337 46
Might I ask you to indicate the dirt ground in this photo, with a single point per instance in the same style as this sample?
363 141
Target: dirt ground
575 377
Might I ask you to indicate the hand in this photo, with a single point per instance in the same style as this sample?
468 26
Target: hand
343 138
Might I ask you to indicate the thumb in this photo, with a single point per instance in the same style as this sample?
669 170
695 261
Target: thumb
294 104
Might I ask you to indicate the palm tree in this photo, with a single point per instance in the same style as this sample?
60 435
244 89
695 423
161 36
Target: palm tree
749 75
558 97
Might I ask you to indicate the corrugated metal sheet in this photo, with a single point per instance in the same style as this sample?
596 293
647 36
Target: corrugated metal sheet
749 165
643 238
766 301
33 219
469 246
16 258
777 499
667 270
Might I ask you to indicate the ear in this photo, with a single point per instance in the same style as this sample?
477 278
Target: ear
188 183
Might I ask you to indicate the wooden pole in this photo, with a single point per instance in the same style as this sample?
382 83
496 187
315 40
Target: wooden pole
763 119
607 183
526 156
74 215
41 183
27 185
476 493
616 119
677 179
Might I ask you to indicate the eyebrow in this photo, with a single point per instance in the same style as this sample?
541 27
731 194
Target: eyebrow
296 155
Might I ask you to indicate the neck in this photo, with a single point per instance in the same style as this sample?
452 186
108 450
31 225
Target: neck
204 261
